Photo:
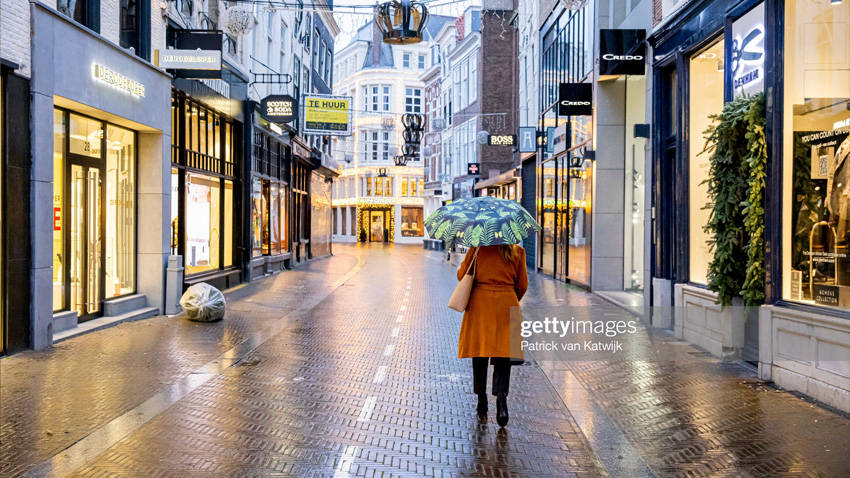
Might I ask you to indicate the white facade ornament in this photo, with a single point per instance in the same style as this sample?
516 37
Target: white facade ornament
238 21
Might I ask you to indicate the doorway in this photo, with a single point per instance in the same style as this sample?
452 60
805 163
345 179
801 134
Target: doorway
83 236
377 220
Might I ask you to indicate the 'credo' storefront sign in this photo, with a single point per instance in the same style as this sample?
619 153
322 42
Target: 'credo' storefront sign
106 75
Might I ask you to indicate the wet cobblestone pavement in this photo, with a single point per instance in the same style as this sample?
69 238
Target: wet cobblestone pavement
347 367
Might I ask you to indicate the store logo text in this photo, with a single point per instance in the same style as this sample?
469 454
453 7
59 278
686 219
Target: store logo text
119 81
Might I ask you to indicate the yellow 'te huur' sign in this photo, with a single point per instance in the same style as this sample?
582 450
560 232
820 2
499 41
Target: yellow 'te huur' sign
326 113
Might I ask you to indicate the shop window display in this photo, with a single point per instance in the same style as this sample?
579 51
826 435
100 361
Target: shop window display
411 221
817 154
257 208
706 88
203 222
58 196
120 211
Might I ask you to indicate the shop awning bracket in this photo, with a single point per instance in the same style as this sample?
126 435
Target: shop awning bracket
272 78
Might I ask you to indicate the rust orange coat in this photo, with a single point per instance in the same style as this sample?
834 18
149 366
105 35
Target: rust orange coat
488 329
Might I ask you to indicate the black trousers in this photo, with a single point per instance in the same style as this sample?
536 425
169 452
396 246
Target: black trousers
501 374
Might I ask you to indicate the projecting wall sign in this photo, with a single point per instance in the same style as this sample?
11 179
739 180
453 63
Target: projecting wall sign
190 59
119 81
622 52
279 108
501 139
197 54
747 58
527 139
575 99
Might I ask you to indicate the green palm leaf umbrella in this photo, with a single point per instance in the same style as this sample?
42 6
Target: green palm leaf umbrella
481 221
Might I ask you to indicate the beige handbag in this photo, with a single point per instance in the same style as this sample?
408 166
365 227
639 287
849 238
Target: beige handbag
460 297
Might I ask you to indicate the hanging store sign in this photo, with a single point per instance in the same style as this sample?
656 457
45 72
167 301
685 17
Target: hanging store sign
747 58
559 139
119 81
527 139
501 140
197 54
190 59
473 168
327 115
279 108
575 99
622 52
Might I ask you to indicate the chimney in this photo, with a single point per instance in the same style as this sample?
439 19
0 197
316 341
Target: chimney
459 26
377 40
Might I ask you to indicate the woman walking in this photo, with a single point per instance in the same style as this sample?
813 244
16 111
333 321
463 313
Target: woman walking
487 334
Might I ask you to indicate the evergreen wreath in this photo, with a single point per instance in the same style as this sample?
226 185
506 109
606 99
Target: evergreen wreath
738 147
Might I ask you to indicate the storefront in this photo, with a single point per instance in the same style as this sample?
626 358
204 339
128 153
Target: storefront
300 184
100 156
205 171
15 232
272 158
503 186
565 166
94 213
795 52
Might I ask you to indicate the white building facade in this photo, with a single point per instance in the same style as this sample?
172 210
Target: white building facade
374 200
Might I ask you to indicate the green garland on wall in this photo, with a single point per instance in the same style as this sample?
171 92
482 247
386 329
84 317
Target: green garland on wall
738 148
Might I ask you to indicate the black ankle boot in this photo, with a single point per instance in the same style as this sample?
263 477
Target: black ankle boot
502 409
482 407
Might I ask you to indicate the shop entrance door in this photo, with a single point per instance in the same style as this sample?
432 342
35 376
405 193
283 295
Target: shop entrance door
84 238
376 226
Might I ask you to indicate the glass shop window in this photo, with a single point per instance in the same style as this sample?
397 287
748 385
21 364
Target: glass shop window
706 86
120 211
411 221
58 192
203 222
257 208
816 172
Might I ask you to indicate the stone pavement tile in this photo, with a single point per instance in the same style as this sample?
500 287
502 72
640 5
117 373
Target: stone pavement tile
693 415
366 384
53 398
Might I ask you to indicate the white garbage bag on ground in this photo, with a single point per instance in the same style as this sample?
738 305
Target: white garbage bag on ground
203 303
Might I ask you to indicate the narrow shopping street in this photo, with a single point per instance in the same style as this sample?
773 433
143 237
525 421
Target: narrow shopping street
347 366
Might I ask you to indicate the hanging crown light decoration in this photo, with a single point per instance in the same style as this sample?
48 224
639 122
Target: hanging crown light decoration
238 21
401 21
574 4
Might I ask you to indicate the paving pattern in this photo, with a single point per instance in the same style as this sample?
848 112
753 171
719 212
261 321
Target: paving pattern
365 384
689 414
363 380
51 399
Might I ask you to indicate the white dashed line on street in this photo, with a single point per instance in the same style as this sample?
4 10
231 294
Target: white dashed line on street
398 319
345 462
380 374
389 350
405 299
402 308
368 408
395 332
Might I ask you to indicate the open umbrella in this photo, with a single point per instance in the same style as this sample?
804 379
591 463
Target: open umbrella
481 221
